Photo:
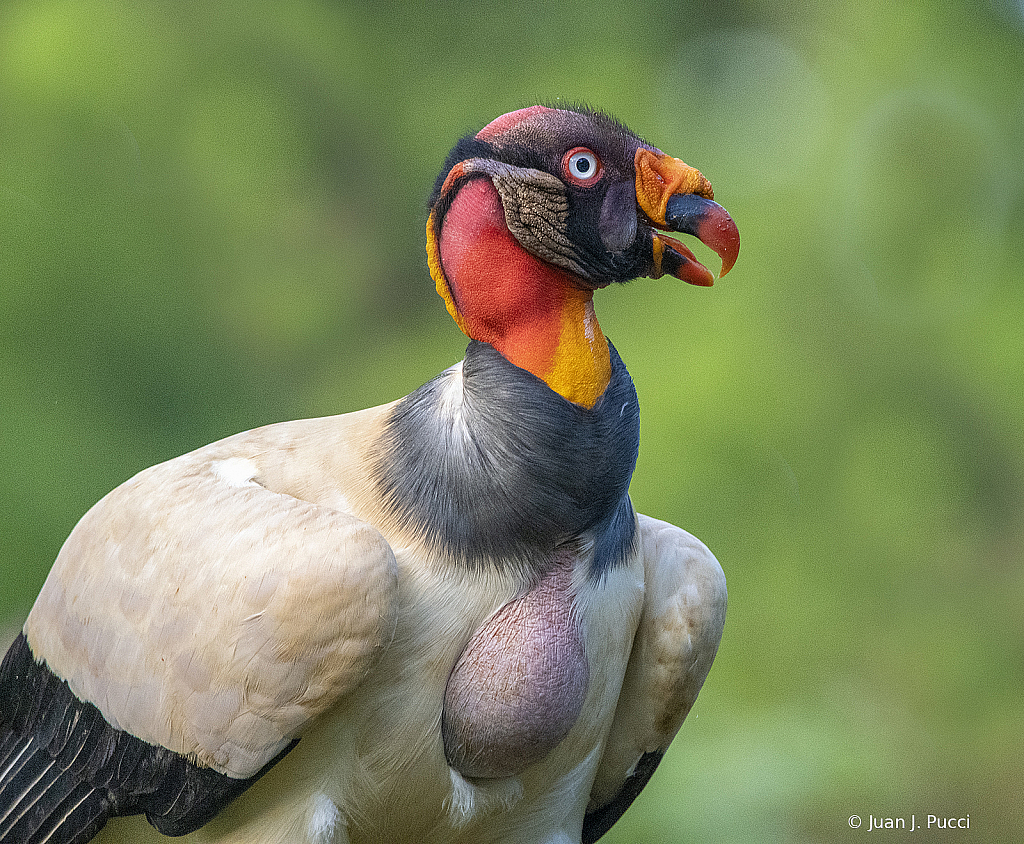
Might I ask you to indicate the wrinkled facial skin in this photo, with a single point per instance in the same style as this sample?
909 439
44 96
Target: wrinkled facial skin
601 217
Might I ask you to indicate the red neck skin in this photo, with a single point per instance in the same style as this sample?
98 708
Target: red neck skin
537 316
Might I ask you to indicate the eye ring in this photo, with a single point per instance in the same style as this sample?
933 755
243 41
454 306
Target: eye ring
581 166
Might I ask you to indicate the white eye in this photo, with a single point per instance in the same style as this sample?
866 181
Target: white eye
581 166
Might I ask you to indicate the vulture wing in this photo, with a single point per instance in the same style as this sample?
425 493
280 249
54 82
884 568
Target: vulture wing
195 611
675 644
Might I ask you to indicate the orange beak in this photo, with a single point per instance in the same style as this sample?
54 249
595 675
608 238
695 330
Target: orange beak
676 197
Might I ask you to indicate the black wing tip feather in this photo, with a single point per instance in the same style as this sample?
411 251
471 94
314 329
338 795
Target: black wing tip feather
38 803
65 771
599 821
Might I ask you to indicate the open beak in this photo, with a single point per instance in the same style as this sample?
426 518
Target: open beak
676 197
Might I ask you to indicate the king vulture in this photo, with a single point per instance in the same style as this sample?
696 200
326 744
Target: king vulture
439 620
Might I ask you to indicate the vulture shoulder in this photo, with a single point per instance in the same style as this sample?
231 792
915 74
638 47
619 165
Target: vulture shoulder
675 643
205 607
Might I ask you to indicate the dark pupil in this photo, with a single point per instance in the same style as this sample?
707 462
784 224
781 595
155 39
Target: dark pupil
582 165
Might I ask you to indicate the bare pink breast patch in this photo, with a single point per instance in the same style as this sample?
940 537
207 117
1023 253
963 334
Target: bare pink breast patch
519 685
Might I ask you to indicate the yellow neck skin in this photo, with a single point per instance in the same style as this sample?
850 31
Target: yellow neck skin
581 367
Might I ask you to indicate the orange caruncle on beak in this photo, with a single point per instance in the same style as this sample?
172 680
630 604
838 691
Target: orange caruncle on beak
659 176
677 197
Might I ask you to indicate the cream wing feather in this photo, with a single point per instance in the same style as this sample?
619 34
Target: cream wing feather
675 643
203 612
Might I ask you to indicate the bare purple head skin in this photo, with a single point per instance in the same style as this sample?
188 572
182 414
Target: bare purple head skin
671 195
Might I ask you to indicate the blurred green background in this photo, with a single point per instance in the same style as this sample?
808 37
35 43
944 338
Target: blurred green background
211 217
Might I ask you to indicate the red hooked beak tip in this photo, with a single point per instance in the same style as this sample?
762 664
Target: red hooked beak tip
676 197
709 222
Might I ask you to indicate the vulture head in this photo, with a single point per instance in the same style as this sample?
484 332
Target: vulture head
543 206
